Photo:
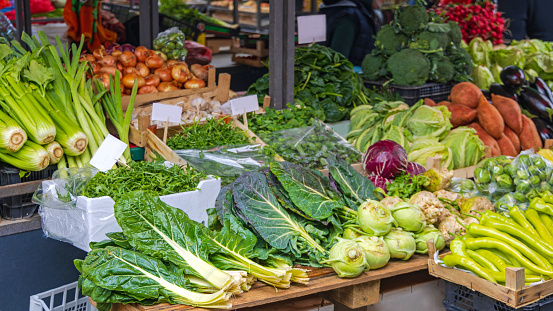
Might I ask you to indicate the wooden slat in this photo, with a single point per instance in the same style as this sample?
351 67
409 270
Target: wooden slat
19 189
148 98
261 294
356 296
156 144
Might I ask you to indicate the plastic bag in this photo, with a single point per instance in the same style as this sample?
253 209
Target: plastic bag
465 187
509 181
310 146
172 43
227 162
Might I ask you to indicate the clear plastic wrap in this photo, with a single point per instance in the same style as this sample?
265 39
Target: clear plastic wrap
465 187
310 146
172 43
227 162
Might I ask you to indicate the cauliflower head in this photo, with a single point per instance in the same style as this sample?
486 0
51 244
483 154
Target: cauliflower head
409 67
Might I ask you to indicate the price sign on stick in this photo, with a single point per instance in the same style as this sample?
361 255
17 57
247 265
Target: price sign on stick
107 154
311 28
244 104
167 113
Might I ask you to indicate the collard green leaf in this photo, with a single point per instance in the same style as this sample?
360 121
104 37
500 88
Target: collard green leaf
224 203
352 184
260 208
119 239
310 192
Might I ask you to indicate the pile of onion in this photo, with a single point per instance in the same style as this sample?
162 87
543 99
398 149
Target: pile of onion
150 69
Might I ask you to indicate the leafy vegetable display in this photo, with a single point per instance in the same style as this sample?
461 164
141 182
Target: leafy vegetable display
181 11
310 146
150 176
207 135
414 50
275 120
324 80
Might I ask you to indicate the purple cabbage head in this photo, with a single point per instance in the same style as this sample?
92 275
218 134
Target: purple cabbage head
127 47
379 182
386 159
112 47
414 168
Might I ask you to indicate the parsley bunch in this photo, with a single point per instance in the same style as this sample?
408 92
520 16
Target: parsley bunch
405 185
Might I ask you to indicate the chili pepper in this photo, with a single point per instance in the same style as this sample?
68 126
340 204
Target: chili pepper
537 244
508 250
483 231
547 196
495 216
482 260
469 264
540 205
503 257
519 217
528 278
547 222
458 247
534 218
493 258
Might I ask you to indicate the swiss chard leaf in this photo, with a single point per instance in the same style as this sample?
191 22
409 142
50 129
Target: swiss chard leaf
310 192
260 208
119 239
352 184
224 203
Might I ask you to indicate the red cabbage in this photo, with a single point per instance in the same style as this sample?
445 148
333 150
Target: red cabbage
379 182
385 158
113 46
415 169
127 47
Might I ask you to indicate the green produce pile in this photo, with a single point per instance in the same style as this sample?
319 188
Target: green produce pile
310 146
509 181
414 50
324 80
153 177
211 133
262 224
533 56
524 239
181 11
276 120
172 44
423 131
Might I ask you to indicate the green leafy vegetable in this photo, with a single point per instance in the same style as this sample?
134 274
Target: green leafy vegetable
351 183
207 135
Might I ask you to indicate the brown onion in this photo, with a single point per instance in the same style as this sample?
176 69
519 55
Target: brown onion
129 70
180 73
99 53
164 74
108 61
152 80
200 71
104 78
110 71
95 67
116 53
128 80
142 53
167 87
161 54
143 70
89 57
147 89
128 91
172 62
128 59
194 84
119 66
154 62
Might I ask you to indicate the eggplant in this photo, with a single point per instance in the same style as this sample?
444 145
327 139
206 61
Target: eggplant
486 94
503 90
537 103
545 131
512 76
541 86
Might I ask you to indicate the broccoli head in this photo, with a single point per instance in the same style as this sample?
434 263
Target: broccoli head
428 40
409 67
462 62
373 67
442 70
454 33
389 41
412 18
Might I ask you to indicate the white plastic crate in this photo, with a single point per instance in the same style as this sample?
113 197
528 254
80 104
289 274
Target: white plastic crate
63 298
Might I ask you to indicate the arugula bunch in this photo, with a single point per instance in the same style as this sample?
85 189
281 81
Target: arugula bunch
275 120
212 133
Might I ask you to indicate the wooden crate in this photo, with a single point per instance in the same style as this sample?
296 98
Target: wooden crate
255 57
354 293
514 294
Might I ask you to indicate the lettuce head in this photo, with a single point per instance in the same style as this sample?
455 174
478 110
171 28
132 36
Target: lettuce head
508 56
465 146
429 122
423 148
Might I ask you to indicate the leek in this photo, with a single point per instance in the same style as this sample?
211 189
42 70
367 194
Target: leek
54 151
12 136
31 157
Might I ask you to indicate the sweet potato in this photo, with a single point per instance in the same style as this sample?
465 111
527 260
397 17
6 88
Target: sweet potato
506 146
513 137
509 110
461 115
490 119
467 94
444 103
429 102
529 136
486 139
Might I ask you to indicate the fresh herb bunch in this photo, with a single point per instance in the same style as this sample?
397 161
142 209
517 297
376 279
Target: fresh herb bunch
149 176
405 185
275 120
207 135
310 146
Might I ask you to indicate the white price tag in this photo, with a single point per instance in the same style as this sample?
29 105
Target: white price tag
161 112
311 28
244 104
107 154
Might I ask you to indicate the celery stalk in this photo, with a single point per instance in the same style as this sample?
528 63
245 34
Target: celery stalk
12 136
31 157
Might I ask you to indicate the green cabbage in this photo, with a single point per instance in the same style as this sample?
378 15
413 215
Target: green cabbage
482 76
423 148
429 122
465 146
397 134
